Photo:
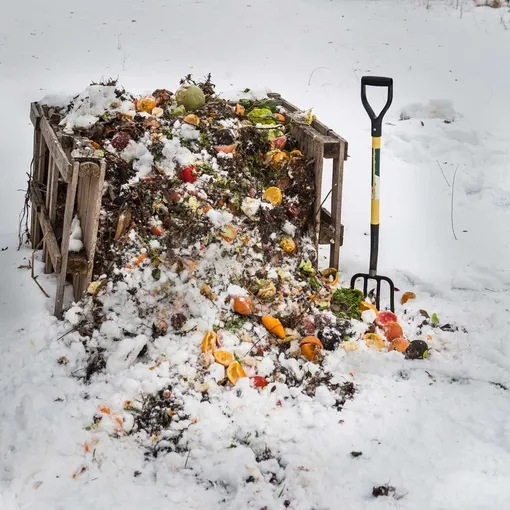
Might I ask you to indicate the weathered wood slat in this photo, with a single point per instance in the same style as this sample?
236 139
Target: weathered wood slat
336 207
91 228
47 230
68 218
83 209
51 203
35 228
58 154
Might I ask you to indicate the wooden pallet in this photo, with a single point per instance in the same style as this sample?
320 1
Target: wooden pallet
75 165
62 161
318 141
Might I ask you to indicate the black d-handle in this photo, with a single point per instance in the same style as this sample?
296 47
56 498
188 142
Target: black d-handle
376 81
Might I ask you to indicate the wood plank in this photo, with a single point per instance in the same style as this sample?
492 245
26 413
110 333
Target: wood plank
92 226
56 150
68 218
46 187
336 208
81 210
51 203
316 150
38 177
35 228
47 230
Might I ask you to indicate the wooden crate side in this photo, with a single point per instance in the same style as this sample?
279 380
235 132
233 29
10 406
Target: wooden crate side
68 218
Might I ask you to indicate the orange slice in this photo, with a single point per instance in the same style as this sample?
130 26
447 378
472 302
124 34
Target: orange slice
365 305
210 341
273 326
234 372
223 358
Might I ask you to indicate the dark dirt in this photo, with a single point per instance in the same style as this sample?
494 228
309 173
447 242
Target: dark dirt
383 490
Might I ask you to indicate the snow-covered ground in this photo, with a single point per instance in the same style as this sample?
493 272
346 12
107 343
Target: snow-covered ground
437 430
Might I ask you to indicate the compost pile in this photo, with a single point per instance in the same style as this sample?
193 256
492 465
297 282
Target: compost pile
205 275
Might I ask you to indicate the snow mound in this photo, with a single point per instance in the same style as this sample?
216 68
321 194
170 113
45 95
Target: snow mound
434 109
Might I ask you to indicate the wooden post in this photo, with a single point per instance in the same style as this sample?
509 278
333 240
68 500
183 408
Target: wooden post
336 207
317 152
68 218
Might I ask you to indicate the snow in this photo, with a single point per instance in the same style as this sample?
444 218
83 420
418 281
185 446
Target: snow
76 239
125 354
438 430
143 159
219 218
435 109
90 105
250 206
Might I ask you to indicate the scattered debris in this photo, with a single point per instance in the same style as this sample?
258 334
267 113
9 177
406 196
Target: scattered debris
383 490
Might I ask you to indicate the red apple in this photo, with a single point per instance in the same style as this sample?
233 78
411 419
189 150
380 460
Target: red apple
189 174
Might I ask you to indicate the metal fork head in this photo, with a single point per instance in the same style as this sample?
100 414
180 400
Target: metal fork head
378 280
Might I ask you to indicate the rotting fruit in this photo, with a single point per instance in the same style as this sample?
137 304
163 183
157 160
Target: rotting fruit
365 305
146 104
243 305
392 330
399 344
235 372
288 245
406 297
417 349
384 317
223 358
374 341
329 276
274 326
210 341
190 96
311 348
273 195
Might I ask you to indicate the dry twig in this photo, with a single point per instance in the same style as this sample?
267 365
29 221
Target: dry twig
33 262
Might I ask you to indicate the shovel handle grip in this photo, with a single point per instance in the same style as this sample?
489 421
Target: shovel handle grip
376 81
